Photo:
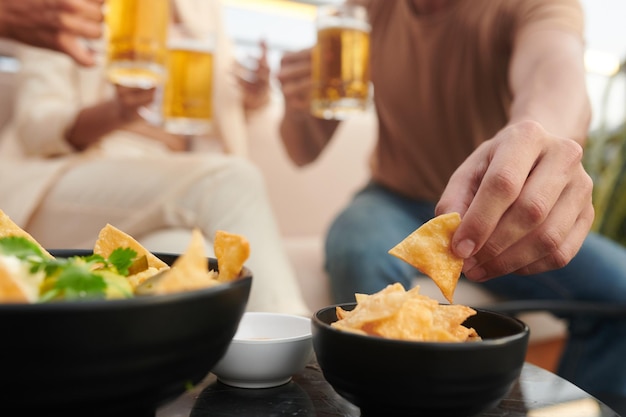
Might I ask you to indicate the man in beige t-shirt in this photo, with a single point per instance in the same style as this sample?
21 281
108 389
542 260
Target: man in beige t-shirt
483 110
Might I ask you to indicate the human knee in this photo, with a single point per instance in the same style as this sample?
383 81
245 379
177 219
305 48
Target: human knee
355 266
243 173
238 179
345 245
218 188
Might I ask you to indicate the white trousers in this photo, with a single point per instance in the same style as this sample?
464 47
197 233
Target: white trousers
146 195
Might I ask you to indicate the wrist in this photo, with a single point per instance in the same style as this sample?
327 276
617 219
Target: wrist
298 115
122 115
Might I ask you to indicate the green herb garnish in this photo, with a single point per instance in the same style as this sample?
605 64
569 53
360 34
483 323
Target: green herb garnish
75 278
21 248
122 259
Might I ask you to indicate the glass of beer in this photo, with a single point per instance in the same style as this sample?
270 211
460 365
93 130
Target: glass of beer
340 62
188 92
136 33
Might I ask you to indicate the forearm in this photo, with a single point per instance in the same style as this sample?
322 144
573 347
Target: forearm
254 103
548 83
305 136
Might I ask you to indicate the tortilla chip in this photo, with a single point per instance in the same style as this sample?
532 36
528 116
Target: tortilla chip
189 272
231 251
111 238
138 278
10 291
377 306
10 228
428 249
394 313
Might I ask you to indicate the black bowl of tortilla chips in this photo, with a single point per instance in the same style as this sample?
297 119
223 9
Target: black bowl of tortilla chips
393 377
114 357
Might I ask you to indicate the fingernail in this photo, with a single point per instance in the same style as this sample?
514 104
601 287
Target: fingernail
465 248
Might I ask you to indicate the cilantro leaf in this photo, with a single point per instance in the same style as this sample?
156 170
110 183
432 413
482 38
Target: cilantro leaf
122 259
76 281
94 259
20 247
73 278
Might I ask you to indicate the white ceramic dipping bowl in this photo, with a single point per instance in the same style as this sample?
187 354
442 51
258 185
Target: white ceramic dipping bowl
267 350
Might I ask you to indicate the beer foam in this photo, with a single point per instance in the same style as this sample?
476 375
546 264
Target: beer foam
329 22
193 45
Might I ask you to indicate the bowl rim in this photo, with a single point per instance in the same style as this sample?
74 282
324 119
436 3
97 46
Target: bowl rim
525 331
276 340
133 302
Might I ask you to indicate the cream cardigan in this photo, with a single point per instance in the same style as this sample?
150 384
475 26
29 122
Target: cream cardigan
52 89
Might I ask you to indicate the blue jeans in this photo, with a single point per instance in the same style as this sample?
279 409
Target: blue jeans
377 219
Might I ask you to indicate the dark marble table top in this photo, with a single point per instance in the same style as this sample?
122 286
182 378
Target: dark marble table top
537 393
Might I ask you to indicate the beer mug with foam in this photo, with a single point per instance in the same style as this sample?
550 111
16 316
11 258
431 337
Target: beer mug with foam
136 34
188 90
340 62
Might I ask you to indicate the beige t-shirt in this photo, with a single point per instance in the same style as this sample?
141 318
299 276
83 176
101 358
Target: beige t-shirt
441 85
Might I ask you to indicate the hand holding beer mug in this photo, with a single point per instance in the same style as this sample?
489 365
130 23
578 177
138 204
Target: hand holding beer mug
188 91
340 62
136 32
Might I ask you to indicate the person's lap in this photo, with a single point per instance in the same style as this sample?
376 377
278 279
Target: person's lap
135 194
